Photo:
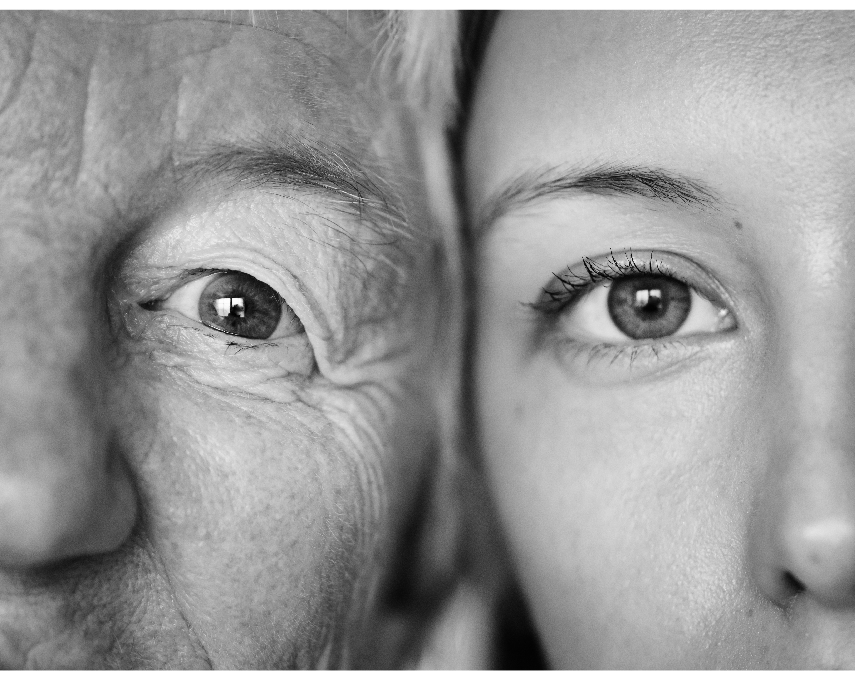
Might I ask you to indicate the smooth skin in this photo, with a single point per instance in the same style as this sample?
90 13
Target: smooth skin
172 496
688 501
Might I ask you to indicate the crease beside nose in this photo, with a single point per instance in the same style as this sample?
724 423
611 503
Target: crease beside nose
65 490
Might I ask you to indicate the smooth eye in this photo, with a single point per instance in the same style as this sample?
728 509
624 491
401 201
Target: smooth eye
237 304
643 307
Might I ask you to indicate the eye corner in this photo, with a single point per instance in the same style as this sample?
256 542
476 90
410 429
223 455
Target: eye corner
548 302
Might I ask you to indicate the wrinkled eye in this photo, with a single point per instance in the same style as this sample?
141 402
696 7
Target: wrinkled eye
643 307
234 303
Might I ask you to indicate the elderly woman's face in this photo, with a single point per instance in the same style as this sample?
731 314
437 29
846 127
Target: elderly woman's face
220 285
665 358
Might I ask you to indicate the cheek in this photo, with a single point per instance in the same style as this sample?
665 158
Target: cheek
258 513
626 505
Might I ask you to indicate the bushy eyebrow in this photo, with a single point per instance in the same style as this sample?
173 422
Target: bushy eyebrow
610 180
296 164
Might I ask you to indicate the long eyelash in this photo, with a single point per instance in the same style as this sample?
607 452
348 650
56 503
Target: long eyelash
575 285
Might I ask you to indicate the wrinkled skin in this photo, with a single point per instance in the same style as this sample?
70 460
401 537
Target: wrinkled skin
173 496
689 502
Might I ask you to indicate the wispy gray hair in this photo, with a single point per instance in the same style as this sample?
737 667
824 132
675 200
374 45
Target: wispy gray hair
422 54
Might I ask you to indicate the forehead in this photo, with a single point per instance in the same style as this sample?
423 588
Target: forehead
621 84
762 49
101 103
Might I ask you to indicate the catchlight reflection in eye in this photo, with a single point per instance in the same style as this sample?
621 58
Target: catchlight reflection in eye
230 307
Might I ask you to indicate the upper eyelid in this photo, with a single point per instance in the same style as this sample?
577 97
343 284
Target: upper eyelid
657 262
597 273
613 269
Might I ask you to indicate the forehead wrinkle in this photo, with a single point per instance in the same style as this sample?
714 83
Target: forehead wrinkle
363 182
286 24
327 46
323 50
326 81
16 54
188 111
350 19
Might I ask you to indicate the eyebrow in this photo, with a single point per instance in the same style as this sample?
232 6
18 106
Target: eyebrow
605 179
296 164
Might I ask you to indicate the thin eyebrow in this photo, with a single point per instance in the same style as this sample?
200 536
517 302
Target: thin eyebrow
610 180
297 164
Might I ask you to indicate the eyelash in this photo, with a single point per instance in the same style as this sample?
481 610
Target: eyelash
577 286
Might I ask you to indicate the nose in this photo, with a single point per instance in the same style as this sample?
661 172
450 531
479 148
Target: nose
802 531
804 534
65 490
822 557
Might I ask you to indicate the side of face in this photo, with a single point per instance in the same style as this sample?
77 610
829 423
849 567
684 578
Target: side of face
188 483
664 368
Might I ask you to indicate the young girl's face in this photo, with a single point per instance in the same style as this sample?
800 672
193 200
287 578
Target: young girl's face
664 214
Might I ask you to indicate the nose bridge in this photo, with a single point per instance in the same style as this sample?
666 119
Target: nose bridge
820 376
49 403
64 490
49 334
803 532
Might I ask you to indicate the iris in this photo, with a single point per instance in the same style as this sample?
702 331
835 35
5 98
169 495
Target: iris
241 305
648 306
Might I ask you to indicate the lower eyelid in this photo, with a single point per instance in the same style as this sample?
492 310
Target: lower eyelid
603 365
172 339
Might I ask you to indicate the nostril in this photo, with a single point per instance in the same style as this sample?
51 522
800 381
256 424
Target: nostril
792 585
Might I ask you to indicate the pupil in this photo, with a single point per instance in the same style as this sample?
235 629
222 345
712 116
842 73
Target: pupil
241 305
649 306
